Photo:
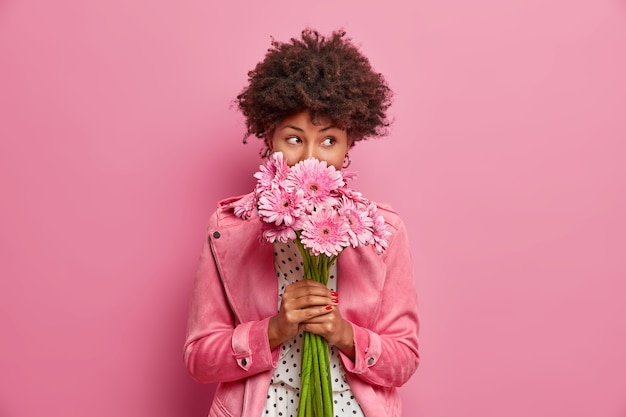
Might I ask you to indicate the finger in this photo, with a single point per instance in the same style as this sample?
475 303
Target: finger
307 302
329 326
308 285
309 293
319 314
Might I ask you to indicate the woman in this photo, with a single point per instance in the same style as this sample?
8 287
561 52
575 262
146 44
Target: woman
311 97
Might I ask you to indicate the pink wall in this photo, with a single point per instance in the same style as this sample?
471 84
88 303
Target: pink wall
506 161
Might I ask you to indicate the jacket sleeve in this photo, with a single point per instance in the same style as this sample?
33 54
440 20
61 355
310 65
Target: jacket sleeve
386 349
218 348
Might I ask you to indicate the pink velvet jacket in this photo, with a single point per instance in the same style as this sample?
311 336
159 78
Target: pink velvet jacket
236 293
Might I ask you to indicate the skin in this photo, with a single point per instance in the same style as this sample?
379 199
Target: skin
299 138
309 305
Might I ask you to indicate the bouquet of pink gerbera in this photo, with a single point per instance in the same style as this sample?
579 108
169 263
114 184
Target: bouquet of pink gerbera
311 204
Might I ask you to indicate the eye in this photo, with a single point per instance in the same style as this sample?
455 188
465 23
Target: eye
294 140
329 141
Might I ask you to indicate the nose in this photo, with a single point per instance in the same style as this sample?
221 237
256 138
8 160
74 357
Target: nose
309 152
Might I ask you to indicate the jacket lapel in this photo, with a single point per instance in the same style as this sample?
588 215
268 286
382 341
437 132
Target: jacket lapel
246 265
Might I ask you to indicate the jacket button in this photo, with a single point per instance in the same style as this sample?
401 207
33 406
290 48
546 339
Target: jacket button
216 235
244 362
370 361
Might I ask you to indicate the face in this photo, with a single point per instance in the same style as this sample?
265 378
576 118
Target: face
299 139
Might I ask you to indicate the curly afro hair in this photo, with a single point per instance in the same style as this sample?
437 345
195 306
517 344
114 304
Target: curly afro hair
329 76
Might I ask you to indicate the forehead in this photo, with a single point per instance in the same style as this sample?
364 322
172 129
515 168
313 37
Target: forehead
303 119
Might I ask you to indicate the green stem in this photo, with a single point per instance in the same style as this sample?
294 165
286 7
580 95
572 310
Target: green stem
305 377
317 380
316 384
325 379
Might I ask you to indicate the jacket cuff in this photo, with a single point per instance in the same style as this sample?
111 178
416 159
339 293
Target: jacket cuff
367 350
251 347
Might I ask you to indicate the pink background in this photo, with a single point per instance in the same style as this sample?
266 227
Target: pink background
505 160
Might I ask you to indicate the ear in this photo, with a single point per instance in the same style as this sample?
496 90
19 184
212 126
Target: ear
351 141
268 140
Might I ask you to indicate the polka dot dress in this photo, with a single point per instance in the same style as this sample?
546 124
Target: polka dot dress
284 391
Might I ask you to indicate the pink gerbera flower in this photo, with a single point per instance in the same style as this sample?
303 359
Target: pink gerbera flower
359 222
273 172
318 181
279 206
348 175
356 197
282 233
380 232
245 207
324 231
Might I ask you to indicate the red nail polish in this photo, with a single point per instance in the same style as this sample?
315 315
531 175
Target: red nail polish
329 307
333 293
335 300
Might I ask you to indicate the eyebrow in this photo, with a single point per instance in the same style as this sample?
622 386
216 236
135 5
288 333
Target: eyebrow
324 129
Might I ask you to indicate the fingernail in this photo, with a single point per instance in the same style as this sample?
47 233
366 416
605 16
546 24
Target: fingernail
335 300
334 294
329 308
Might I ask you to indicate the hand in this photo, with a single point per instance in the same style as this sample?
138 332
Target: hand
309 305
334 328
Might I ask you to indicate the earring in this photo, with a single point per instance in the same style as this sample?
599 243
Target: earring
346 161
265 152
